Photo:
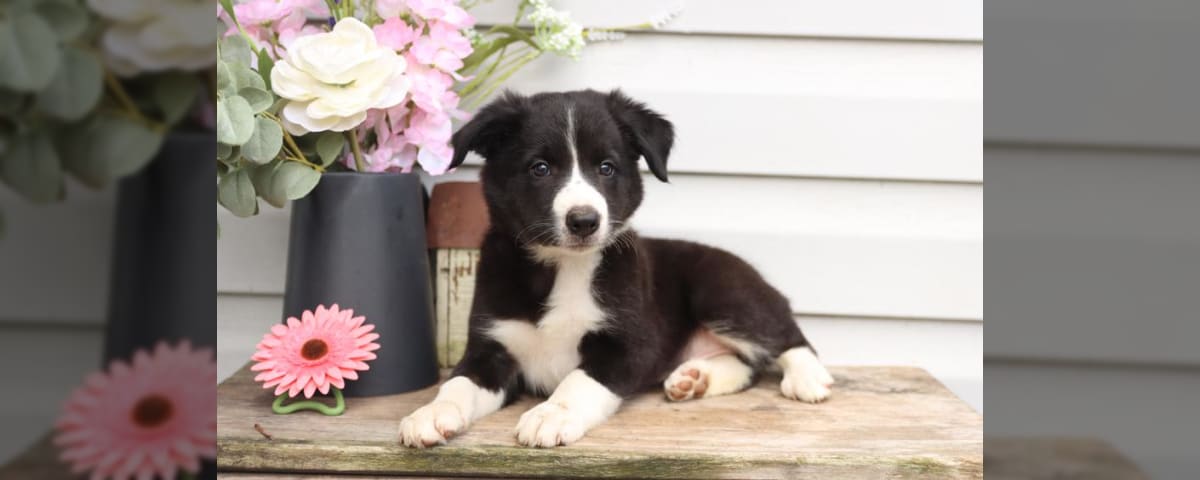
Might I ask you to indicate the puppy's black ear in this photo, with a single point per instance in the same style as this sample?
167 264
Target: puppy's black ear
485 130
651 134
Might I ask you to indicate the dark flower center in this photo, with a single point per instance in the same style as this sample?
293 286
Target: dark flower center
314 349
152 411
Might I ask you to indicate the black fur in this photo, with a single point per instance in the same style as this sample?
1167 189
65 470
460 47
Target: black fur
656 293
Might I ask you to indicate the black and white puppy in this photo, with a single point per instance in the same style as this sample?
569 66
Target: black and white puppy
571 303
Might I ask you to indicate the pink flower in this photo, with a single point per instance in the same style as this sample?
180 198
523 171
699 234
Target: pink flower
147 418
396 34
390 8
320 350
443 47
430 132
445 11
429 86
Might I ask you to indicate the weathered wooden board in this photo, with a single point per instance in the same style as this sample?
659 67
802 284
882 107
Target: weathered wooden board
1056 458
455 279
882 422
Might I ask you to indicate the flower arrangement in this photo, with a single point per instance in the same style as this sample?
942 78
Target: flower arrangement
309 86
89 88
150 417
315 353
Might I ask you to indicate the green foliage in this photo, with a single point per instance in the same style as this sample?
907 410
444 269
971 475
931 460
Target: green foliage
235 191
29 51
265 143
330 146
175 93
75 88
107 147
31 167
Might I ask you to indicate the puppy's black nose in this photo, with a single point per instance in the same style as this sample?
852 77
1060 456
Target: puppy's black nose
583 221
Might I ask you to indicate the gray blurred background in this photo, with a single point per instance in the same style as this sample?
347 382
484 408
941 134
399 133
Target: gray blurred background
1092 225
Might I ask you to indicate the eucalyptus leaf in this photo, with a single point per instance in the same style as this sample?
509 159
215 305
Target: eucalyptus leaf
330 146
11 102
32 168
233 77
224 78
265 143
174 94
265 65
295 180
263 177
259 100
235 120
29 52
234 49
235 191
68 19
76 86
107 147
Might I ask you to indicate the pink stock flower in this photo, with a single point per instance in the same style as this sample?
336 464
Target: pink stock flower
443 47
265 19
445 11
396 34
429 86
150 417
431 132
390 8
322 349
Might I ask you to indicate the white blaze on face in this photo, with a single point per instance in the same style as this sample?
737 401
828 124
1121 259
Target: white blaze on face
577 191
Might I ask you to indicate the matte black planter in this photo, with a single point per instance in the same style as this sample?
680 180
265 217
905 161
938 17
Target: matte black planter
163 279
358 240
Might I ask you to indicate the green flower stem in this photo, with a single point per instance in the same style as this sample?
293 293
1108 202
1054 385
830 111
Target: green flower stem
280 409
118 91
291 143
352 137
474 103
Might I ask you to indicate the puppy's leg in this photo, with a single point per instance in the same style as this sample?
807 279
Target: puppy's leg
708 377
483 382
578 404
804 378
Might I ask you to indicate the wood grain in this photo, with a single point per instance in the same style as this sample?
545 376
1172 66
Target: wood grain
455 287
1056 458
882 422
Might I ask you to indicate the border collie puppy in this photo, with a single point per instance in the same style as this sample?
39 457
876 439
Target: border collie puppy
571 303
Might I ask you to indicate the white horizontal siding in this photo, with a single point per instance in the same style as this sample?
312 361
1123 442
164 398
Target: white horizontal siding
1148 414
243 319
832 246
1104 72
915 19
1106 244
795 107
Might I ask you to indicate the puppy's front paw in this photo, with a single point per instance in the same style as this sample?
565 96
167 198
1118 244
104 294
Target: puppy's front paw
432 424
549 425
690 380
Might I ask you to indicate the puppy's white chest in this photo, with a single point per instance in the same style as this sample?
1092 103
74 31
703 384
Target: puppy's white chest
548 350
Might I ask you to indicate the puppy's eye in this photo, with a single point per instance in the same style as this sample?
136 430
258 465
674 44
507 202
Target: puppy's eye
539 169
607 168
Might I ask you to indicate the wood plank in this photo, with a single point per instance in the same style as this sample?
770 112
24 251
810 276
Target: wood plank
1055 458
890 422
960 20
455 287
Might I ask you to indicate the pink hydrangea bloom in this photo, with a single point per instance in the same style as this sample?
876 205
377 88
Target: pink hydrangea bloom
146 418
445 11
321 349
431 132
443 47
396 34
390 8
428 87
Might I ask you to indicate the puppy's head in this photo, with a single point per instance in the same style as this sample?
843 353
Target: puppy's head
561 171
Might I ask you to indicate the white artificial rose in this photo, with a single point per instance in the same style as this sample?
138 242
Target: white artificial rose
331 79
156 35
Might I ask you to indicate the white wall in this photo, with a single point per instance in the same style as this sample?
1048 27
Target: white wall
838 153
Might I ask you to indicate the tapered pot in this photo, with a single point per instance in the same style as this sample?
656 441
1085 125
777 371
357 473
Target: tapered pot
163 275
358 241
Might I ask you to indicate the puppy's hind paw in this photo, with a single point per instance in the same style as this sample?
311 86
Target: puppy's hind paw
688 381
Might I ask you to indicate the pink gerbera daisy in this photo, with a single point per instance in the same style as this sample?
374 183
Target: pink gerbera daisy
147 418
322 349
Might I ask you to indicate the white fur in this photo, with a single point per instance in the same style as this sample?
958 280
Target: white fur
577 192
458 403
719 375
578 404
804 378
549 350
